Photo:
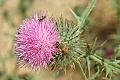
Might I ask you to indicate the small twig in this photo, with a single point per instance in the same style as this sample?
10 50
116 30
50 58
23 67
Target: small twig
103 43
94 42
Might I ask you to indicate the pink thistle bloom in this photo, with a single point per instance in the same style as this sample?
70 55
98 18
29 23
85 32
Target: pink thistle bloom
109 52
35 41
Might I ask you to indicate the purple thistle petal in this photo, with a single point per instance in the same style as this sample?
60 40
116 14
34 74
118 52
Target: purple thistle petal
35 41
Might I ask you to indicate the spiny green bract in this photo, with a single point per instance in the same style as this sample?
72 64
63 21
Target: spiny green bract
74 41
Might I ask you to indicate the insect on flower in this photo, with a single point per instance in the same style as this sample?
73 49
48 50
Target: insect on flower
41 18
62 49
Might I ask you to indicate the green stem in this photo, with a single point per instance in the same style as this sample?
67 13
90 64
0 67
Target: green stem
95 59
82 70
113 66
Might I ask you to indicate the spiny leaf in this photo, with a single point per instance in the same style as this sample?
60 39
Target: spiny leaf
75 15
86 13
116 61
94 75
108 64
81 20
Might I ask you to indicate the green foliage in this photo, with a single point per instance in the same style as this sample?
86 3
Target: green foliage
109 65
93 77
70 34
81 20
65 29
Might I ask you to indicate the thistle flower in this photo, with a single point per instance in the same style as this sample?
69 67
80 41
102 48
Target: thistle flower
109 52
35 41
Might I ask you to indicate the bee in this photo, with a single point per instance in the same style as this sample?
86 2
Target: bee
62 49
41 18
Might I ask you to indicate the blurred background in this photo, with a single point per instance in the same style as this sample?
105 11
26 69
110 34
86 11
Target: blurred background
104 24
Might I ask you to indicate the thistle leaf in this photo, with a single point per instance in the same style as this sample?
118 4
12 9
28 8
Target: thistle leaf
86 13
81 20
110 67
94 75
75 15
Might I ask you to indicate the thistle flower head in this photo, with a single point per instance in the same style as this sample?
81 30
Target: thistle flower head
35 41
109 52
